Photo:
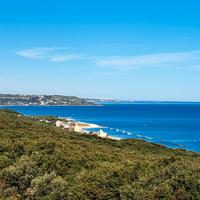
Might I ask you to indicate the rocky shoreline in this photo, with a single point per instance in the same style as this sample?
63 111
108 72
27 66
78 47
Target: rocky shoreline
74 126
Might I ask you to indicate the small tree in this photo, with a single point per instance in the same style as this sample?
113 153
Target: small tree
47 186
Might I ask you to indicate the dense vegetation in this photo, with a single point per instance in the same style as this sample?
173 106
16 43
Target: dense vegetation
41 161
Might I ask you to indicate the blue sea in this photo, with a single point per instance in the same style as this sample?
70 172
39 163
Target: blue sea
176 125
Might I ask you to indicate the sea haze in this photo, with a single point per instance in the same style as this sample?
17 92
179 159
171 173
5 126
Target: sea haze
176 125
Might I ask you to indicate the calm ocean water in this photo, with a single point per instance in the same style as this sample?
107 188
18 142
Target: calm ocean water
174 125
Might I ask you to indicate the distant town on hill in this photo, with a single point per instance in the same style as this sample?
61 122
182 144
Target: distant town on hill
108 101
19 99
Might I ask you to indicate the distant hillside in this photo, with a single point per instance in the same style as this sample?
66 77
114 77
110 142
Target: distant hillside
41 161
10 99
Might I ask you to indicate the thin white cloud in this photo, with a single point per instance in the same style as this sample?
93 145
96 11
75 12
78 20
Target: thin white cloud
176 59
36 53
62 58
189 59
50 54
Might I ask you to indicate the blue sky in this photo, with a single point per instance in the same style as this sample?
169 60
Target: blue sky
130 49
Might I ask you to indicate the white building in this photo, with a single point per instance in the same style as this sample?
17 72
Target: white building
62 124
102 134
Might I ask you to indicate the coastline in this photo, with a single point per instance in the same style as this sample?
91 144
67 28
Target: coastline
51 105
79 126
85 128
88 126
114 130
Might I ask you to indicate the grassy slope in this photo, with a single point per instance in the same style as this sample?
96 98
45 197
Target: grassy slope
40 161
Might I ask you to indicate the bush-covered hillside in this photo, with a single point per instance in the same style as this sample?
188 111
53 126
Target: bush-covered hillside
41 161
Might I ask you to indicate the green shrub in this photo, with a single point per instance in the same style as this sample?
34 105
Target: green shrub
41 161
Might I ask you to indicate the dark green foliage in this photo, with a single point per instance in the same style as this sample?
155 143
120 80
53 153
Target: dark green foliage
41 161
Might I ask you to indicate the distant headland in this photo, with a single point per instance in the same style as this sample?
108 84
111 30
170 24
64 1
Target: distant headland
44 100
